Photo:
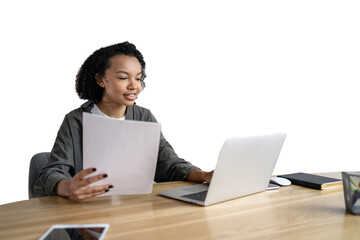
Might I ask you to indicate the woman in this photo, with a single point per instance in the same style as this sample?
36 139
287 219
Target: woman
111 80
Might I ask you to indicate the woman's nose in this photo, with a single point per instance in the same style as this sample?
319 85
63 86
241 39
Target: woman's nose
132 84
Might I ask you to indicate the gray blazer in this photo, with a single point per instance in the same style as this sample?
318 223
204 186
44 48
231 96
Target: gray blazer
66 156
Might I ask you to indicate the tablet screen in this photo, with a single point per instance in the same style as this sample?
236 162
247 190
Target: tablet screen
78 232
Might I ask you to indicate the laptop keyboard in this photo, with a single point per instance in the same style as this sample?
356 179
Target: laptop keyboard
199 196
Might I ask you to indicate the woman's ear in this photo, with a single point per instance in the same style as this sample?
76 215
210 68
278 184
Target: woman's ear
99 80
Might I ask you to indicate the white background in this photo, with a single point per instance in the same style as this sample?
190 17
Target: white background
216 69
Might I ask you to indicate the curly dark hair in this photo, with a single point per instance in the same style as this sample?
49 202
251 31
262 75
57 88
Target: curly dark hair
97 63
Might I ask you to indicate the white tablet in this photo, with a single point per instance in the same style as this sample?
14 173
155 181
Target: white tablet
69 232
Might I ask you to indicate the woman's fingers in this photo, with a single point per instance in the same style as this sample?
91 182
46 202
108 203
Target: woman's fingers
88 192
83 173
208 176
87 196
79 185
79 179
90 180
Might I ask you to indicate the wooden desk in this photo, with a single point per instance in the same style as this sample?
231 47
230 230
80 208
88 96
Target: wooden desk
288 213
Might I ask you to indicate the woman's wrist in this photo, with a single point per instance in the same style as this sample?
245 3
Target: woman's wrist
62 187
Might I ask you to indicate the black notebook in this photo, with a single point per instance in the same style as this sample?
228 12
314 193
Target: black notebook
312 181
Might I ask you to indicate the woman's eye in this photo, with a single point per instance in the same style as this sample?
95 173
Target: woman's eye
123 78
138 79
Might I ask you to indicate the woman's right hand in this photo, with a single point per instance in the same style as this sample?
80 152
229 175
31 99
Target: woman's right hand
77 188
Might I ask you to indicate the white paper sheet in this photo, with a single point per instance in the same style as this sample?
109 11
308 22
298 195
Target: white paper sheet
126 150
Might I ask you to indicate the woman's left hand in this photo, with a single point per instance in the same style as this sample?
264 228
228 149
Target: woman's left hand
200 176
208 176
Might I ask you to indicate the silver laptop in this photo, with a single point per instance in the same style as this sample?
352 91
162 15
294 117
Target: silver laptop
244 167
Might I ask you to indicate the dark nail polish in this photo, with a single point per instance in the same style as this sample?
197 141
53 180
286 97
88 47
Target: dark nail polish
94 169
105 176
107 190
111 186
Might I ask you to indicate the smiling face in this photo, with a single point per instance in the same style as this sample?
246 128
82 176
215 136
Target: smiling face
121 81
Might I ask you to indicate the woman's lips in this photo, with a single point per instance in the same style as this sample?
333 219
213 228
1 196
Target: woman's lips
130 97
